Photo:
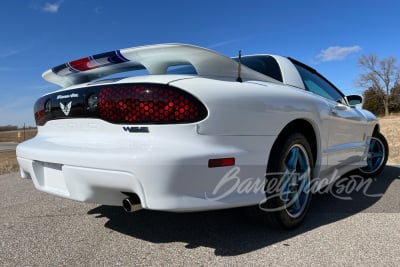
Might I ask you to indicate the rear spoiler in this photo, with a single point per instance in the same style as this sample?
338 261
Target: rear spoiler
155 58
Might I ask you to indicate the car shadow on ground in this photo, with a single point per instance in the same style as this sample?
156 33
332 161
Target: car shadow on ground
231 233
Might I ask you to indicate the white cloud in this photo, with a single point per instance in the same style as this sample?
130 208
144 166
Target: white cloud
335 53
8 53
52 7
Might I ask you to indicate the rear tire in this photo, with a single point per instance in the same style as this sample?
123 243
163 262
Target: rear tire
291 162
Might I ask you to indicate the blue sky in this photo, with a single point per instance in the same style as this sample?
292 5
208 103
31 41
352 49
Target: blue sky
330 36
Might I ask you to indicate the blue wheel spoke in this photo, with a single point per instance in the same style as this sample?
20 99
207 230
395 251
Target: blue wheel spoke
372 144
376 155
303 164
296 204
293 158
296 181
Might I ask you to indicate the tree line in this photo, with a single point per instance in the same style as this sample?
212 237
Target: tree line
381 80
13 128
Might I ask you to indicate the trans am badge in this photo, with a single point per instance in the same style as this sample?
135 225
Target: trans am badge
66 108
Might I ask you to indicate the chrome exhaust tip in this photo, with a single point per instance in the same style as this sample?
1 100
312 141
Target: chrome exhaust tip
131 204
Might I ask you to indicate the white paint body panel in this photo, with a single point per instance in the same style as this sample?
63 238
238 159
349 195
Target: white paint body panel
167 168
96 161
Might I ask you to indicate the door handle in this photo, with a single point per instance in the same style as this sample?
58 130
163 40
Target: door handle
338 107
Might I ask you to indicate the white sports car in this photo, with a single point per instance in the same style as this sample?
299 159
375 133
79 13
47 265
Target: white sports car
189 129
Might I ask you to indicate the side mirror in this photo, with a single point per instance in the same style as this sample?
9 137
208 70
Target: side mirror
354 100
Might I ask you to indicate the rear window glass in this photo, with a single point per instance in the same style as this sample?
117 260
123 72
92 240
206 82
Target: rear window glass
266 65
182 69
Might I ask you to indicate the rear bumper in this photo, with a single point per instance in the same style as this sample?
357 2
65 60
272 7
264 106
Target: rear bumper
166 174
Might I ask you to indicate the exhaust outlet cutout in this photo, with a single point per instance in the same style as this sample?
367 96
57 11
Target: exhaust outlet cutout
131 204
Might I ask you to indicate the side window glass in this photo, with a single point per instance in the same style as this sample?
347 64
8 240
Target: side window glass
318 85
313 87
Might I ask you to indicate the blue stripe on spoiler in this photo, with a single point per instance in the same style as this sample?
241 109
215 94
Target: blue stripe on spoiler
89 63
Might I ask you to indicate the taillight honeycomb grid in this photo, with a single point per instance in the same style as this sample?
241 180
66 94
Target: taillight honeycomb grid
148 104
123 104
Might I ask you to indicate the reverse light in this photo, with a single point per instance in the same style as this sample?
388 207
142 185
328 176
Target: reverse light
47 106
92 102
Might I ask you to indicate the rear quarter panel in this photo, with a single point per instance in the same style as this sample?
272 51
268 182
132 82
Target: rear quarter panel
253 108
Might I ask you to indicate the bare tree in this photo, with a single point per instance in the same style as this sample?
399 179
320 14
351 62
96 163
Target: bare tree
381 75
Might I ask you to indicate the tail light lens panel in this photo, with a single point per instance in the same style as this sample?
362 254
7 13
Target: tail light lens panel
148 104
123 104
40 110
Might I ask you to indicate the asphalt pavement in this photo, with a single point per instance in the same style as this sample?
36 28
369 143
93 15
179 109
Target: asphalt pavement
37 229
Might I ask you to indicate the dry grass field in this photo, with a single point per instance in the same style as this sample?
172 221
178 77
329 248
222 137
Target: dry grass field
12 136
390 127
8 161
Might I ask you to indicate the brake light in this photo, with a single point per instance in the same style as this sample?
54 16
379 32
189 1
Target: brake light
89 63
83 64
39 110
148 104
123 104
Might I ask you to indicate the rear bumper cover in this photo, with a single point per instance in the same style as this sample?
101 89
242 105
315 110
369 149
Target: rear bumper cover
166 174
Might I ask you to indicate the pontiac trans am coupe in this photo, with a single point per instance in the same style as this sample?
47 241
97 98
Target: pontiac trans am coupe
187 129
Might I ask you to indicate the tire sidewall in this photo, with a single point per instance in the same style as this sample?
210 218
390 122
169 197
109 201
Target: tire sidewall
277 165
382 139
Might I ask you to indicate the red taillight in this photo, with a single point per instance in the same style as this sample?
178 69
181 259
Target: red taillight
122 104
39 109
148 104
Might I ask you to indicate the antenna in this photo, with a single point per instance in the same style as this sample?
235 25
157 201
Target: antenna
239 79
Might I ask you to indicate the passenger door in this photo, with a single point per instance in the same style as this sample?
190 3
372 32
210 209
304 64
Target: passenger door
346 143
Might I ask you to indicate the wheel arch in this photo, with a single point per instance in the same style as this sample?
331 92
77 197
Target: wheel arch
377 129
304 127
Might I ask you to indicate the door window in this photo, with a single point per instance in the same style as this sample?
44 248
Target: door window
317 84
